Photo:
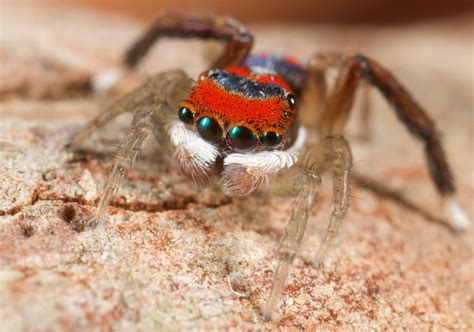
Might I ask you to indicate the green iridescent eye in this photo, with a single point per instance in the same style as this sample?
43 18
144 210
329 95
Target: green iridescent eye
241 139
209 129
271 139
186 115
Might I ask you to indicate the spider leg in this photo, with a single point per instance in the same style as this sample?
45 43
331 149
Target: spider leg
233 33
365 118
127 103
238 42
339 104
150 104
307 185
315 87
127 153
332 153
336 152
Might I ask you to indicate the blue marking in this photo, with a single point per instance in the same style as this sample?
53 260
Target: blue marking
291 73
246 87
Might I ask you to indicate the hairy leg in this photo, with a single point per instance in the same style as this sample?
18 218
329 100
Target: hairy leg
335 153
339 104
306 185
127 103
233 33
365 130
314 93
332 153
150 104
238 41
127 153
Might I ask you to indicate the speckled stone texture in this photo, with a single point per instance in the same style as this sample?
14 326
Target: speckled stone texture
176 257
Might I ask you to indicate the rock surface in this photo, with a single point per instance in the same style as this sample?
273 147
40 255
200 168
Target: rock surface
173 256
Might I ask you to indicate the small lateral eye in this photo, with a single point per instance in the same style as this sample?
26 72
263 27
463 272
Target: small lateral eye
271 139
185 115
292 101
209 129
241 139
203 76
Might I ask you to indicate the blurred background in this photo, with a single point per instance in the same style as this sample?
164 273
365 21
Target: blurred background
302 11
63 42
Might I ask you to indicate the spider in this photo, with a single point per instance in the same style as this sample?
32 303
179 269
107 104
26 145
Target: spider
242 121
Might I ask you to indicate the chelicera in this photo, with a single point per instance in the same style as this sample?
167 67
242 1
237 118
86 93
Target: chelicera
242 121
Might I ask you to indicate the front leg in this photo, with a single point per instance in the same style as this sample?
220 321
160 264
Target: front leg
334 153
132 101
306 186
151 103
127 153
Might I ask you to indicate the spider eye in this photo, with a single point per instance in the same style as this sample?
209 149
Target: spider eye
209 129
186 115
291 101
271 139
203 76
241 139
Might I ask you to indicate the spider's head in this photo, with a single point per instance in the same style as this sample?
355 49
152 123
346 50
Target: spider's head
238 112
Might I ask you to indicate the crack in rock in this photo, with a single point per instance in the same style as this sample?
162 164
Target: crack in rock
179 203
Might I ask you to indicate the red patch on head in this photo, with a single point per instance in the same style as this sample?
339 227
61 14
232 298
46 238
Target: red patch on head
230 108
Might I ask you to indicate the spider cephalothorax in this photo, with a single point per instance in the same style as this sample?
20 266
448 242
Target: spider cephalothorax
240 112
241 108
240 121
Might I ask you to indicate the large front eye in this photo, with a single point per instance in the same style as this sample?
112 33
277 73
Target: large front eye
241 139
185 115
271 139
209 129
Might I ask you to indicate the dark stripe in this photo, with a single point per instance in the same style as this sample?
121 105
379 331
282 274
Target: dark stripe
291 73
243 86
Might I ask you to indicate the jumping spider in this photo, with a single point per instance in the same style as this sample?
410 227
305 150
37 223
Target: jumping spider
241 121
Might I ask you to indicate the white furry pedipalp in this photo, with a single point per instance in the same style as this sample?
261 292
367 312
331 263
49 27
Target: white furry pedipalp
196 157
265 161
246 172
